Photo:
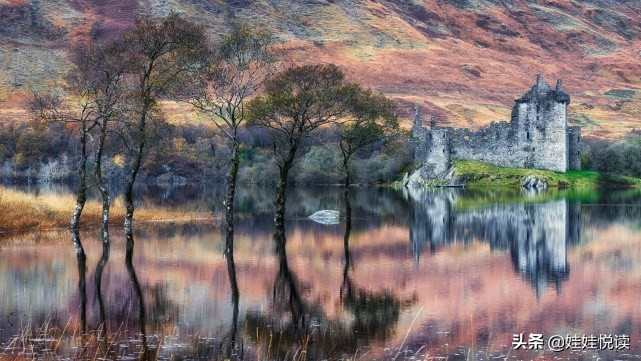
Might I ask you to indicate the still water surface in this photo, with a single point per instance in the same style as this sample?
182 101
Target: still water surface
441 273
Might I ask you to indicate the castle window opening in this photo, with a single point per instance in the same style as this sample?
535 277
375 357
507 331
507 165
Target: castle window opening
527 135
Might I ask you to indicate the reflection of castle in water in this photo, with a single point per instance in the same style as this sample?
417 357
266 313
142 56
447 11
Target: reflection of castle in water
536 234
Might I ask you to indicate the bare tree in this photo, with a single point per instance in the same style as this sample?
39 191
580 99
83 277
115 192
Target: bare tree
241 64
52 108
371 120
162 56
99 73
297 102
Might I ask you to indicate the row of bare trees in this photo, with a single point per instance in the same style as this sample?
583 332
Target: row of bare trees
118 87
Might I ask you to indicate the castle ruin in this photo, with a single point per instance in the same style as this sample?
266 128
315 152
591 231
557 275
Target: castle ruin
537 136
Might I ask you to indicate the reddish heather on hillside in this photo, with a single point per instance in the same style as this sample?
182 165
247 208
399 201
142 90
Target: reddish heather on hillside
464 61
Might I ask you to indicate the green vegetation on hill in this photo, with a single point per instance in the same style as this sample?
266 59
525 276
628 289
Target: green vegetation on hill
477 174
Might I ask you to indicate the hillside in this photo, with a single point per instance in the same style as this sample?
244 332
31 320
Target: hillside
464 61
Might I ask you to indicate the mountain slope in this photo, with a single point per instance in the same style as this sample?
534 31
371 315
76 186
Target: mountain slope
464 61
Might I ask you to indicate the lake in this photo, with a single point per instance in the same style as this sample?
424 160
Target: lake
434 274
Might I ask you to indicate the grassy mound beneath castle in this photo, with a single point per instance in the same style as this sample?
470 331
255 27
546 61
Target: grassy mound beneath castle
477 174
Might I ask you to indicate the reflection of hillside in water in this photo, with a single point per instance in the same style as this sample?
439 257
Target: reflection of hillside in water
537 235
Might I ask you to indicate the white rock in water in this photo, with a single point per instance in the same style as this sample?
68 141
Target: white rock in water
327 217
532 182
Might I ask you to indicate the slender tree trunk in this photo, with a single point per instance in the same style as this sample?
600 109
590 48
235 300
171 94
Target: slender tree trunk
104 192
129 188
229 241
81 198
348 179
231 194
281 198
104 223
81 194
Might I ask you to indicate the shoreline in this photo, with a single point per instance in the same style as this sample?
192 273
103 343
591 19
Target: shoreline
23 212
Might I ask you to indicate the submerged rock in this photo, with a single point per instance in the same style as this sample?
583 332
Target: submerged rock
327 217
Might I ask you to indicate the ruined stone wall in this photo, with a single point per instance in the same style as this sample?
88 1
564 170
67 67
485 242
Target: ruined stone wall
574 148
548 129
495 144
419 143
437 151
536 137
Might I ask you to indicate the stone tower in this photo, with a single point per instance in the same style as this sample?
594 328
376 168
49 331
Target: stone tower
537 136
539 120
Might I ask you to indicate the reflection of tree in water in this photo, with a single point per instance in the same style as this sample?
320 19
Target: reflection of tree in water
286 291
82 290
375 313
600 212
536 234
295 325
232 348
286 286
145 353
284 329
374 203
100 267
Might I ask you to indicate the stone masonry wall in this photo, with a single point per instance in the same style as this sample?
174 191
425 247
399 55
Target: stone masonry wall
548 129
536 137
437 149
574 148
494 144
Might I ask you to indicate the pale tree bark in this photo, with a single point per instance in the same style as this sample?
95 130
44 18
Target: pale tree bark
102 187
129 188
241 63
81 194
51 108
165 54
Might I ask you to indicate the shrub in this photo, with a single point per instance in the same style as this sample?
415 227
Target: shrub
320 165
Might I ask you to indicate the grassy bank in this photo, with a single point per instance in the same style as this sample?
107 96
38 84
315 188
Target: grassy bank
20 211
477 174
